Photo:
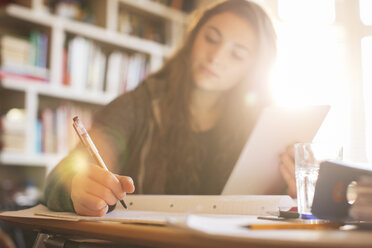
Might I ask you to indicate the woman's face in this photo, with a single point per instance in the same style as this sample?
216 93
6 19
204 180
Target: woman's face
223 52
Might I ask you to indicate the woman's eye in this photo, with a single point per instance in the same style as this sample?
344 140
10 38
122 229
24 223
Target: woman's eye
211 39
239 54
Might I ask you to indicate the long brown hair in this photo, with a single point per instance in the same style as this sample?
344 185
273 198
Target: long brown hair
177 154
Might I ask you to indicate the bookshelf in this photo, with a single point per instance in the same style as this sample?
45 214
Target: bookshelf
52 86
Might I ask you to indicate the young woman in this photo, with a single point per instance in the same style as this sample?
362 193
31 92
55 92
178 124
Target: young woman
182 130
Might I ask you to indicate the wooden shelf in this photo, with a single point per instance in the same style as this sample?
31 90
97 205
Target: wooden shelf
46 89
114 38
36 94
26 159
157 9
87 30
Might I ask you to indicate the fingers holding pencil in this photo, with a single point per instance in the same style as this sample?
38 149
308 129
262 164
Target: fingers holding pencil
108 183
90 205
95 189
119 185
126 183
84 202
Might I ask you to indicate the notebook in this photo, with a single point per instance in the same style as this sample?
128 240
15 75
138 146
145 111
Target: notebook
159 209
256 172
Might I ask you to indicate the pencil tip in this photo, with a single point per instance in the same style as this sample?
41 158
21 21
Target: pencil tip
123 203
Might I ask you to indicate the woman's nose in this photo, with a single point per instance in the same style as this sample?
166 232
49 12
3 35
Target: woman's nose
217 54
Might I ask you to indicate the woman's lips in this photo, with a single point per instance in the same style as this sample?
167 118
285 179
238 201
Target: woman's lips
208 72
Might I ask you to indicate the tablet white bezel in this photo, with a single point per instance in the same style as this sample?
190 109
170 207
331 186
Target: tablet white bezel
256 172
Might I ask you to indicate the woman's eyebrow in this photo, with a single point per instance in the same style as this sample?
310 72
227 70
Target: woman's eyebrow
236 44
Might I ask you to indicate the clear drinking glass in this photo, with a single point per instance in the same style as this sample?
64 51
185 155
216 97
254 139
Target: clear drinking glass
308 157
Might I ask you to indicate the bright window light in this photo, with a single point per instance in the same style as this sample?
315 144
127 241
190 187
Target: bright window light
367 80
310 70
309 66
365 9
309 11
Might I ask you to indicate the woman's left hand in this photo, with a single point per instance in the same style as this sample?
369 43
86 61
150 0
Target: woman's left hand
287 170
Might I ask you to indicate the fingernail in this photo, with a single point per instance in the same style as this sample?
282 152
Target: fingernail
102 204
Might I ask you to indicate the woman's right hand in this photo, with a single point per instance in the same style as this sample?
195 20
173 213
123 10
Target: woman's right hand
93 190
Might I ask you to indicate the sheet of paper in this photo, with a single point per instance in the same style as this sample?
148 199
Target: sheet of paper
30 213
159 209
118 215
224 227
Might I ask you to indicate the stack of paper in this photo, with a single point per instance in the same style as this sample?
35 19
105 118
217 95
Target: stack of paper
159 209
362 207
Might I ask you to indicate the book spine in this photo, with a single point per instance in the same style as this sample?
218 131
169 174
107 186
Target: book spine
24 57
54 130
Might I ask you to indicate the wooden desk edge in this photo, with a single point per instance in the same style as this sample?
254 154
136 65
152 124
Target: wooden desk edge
146 235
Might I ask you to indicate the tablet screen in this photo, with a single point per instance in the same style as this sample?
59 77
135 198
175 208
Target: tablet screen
257 169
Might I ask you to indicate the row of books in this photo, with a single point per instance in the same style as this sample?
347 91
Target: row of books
13 130
54 131
182 5
138 25
24 56
88 67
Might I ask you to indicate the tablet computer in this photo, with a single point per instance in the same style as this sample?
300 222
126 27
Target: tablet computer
256 171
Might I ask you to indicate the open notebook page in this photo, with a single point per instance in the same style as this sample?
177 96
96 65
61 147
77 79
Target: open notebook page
158 209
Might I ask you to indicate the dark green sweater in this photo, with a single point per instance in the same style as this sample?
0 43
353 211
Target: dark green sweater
129 124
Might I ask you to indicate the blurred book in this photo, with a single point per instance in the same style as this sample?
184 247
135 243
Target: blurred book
125 72
14 130
137 69
24 57
54 130
84 65
96 69
87 67
49 142
116 71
